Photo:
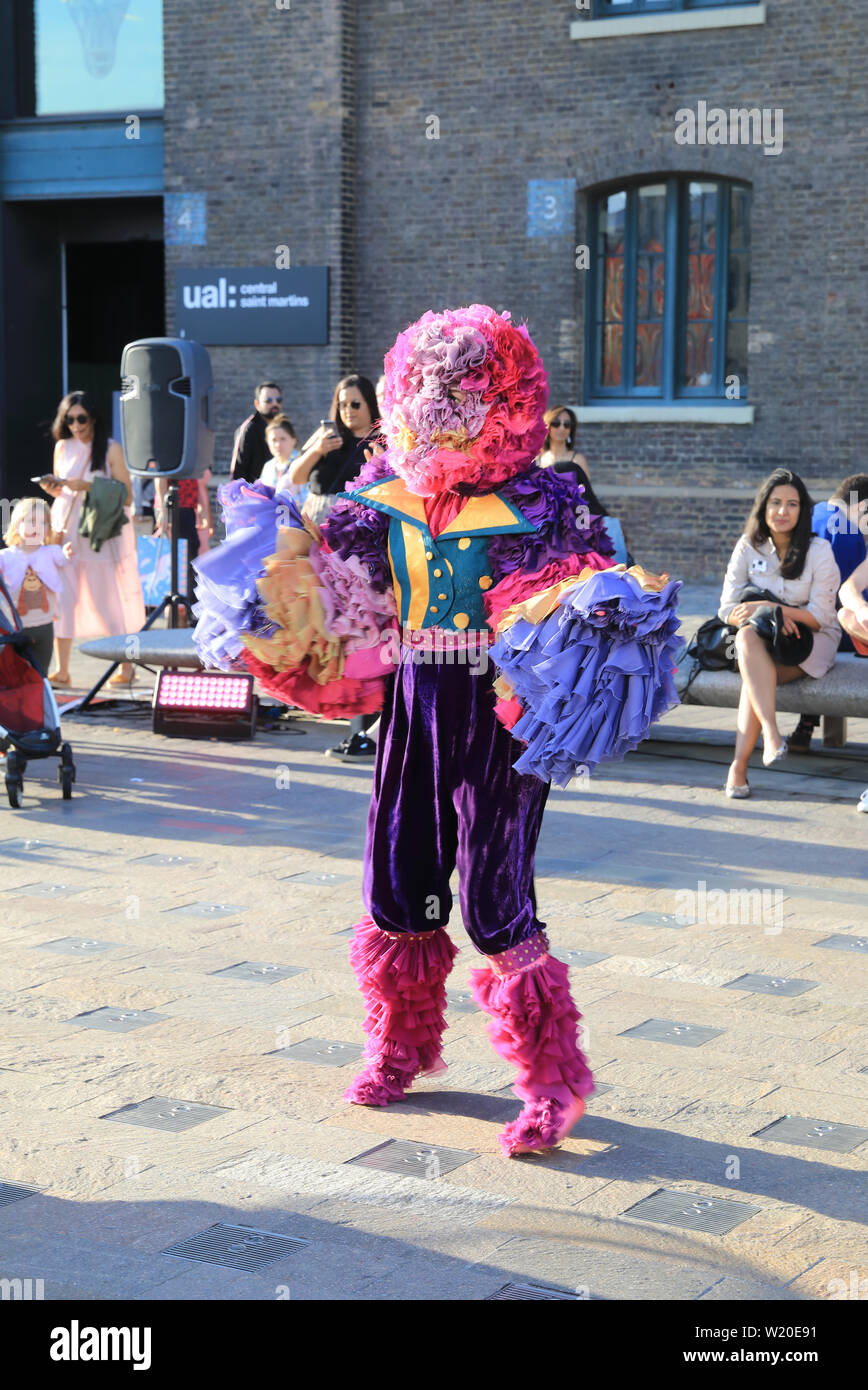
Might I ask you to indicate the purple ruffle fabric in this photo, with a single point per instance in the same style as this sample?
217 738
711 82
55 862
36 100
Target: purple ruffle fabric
353 529
228 600
555 504
593 676
352 607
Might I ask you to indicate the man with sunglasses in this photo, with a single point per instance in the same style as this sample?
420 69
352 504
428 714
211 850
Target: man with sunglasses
251 451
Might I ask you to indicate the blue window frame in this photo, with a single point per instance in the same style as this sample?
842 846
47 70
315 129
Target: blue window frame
612 9
667 309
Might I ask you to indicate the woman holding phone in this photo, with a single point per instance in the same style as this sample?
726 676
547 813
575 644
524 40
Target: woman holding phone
102 592
335 453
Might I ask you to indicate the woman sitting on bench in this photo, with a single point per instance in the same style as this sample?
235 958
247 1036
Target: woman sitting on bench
779 557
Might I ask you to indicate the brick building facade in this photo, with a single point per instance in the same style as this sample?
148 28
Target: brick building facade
400 145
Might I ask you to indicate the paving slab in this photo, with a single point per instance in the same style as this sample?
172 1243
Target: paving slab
157 826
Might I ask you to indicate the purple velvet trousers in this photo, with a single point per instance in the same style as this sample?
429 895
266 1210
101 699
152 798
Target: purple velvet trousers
446 794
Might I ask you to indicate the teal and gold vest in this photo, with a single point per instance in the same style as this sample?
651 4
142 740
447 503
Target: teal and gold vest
440 583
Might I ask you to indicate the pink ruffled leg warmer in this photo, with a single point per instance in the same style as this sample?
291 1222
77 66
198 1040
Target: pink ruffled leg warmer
403 982
533 1025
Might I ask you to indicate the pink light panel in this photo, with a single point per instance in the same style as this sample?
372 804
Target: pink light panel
204 692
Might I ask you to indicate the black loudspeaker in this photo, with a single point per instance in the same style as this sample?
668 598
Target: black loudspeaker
167 408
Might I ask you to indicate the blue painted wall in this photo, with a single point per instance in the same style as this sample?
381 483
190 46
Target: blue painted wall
69 158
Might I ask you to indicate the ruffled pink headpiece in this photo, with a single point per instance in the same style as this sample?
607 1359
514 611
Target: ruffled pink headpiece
437 442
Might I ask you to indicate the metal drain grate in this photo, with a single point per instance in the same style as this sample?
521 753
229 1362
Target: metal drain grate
656 919
714 1215
539 1292
48 890
76 946
116 1020
32 846
461 1002
844 943
324 880
412 1160
579 959
771 984
235 1247
163 861
322 1051
205 910
814 1134
14 1192
257 972
160 1113
681 1034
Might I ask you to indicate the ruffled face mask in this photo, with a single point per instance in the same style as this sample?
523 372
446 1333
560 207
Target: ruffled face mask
464 399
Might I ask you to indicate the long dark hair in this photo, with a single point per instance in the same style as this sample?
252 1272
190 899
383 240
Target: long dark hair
757 529
368 394
60 429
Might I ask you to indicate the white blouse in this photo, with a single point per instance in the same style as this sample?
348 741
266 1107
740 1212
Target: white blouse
815 590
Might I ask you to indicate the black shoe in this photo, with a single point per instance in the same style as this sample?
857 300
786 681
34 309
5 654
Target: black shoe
800 738
341 749
361 750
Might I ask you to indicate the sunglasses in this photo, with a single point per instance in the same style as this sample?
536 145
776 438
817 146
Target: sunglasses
350 405
560 424
77 419
271 400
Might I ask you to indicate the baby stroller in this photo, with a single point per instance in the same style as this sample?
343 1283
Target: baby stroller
29 719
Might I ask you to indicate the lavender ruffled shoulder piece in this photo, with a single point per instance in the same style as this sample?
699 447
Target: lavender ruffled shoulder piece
555 503
228 599
354 529
593 676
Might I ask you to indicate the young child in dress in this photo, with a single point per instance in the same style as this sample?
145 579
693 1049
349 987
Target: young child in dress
31 570
282 440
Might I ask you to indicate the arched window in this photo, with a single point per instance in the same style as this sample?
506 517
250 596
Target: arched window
667 311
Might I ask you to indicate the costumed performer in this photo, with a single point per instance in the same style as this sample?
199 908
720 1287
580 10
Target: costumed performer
449 535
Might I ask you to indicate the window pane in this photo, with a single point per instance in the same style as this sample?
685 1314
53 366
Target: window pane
739 219
612 345
701 269
736 354
611 258
738 286
98 55
650 274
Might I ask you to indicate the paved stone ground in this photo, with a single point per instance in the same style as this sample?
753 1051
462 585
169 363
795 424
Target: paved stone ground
258 850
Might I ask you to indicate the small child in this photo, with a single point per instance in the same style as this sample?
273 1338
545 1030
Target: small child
30 569
281 438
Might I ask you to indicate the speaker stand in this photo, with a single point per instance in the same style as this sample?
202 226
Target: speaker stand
171 604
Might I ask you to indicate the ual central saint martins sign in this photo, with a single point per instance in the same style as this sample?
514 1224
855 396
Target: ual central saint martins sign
241 306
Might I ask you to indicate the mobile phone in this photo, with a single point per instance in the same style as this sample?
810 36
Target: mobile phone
328 425
42 478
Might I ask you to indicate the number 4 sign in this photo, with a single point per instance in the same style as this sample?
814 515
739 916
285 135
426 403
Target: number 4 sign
185 219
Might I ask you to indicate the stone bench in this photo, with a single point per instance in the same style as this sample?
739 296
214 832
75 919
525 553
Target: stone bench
842 692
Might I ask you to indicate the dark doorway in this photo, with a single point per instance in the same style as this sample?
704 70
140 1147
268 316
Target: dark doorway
107 255
114 294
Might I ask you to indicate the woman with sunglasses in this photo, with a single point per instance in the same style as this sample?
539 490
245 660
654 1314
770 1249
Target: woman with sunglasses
102 592
558 452
335 453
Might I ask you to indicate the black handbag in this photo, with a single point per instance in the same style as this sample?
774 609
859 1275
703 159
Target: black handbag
712 646
790 649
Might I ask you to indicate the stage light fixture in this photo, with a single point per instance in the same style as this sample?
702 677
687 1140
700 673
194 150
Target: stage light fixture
206 704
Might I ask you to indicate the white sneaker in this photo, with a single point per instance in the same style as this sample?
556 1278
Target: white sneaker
862 803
